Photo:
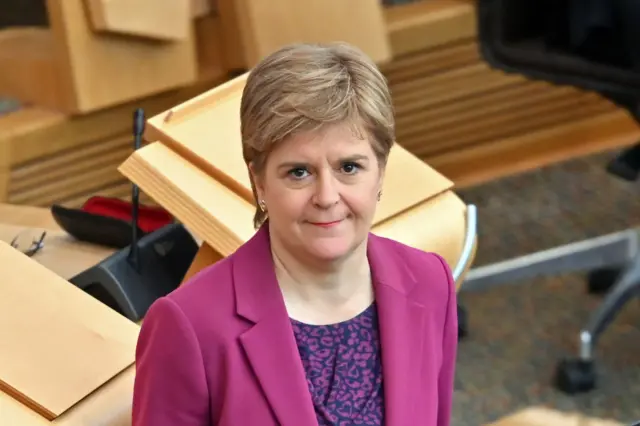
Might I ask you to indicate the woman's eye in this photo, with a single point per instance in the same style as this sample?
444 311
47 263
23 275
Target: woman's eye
298 173
350 168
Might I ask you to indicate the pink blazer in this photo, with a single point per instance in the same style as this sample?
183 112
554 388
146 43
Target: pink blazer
220 349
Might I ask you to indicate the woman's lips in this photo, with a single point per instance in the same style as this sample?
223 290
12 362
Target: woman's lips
326 224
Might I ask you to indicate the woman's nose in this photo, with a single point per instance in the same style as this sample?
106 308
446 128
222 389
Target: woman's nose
326 192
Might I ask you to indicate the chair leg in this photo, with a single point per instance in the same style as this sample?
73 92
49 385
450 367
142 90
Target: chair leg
579 375
463 322
601 252
611 252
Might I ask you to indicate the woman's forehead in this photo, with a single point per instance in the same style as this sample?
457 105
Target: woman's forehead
331 141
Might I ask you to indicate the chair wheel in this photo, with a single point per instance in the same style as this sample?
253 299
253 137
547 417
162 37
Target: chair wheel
575 376
463 322
600 281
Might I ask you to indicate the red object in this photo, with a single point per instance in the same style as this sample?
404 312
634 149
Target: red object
149 218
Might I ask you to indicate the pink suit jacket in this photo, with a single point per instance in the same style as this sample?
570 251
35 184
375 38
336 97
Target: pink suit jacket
220 349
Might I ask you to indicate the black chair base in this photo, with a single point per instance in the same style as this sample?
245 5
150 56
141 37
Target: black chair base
564 42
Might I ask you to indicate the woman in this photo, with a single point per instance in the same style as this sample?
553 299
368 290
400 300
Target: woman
314 320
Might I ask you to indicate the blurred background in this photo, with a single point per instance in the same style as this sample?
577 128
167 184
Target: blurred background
547 161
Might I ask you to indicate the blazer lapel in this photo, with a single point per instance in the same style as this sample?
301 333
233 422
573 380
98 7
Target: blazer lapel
270 344
402 332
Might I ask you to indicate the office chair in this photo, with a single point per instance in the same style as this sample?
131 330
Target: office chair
587 44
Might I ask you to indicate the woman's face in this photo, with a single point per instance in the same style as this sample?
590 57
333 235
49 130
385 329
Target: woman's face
321 191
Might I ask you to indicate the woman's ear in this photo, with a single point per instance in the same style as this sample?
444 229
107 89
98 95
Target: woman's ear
381 179
256 179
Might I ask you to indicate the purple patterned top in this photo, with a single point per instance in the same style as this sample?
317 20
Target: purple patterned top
344 372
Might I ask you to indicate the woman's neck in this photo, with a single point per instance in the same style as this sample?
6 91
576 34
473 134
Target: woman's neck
323 293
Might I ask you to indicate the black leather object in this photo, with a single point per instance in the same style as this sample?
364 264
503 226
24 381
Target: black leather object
93 228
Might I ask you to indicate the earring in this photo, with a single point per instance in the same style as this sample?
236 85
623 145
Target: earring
379 195
262 205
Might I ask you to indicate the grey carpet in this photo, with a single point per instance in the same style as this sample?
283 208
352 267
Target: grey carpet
519 332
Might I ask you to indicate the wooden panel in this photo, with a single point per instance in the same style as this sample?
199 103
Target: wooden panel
429 61
4 184
167 20
212 211
265 26
29 68
98 71
79 161
205 257
33 133
522 118
429 23
45 68
67 345
109 405
68 174
503 157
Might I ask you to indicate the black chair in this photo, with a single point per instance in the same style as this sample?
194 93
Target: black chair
587 44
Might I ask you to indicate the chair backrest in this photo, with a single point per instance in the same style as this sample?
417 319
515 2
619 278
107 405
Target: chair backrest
550 45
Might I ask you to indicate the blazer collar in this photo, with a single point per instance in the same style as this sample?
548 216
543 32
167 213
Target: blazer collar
403 331
256 285
270 342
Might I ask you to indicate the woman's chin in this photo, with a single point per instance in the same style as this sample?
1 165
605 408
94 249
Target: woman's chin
329 249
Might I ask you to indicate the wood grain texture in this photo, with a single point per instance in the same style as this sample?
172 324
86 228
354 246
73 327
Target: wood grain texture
264 27
67 345
168 20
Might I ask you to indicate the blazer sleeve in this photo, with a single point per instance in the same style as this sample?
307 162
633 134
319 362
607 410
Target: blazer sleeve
449 351
170 386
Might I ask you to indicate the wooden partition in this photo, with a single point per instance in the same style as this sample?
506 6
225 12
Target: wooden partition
47 157
254 28
98 54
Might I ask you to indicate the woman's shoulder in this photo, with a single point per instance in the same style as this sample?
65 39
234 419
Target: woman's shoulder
207 297
429 270
418 261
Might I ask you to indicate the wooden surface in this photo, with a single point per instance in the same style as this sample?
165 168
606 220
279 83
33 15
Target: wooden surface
206 131
257 28
542 416
206 256
47 157
110 405
62 254
67 343
71 68
423 25
209 209
86 61
167 20
29 68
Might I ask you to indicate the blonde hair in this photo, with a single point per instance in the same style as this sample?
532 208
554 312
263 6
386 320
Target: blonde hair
303 87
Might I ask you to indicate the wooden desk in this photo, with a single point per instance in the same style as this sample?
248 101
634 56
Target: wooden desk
110 404
61 253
